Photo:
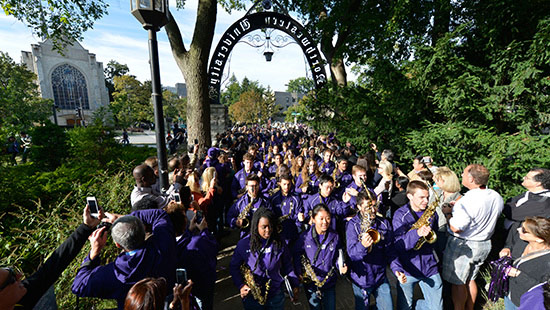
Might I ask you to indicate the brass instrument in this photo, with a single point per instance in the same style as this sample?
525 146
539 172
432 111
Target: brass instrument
366 222
310 276
286 216
244 213
336 182
273 191
426 220
254 288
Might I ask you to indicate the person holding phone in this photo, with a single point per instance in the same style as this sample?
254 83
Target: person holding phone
196 250
315 260
26 292
261 263
140 257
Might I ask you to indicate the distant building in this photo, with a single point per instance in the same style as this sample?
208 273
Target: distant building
285 100
181 90
74 80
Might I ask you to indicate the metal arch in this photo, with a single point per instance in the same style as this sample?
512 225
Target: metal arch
263 20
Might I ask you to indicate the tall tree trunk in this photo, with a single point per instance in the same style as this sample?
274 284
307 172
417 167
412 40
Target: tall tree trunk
442 19
193 63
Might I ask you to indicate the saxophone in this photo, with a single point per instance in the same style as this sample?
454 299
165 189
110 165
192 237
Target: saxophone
366 228
309 273
254 288
426 220
366 222
244 213
286 216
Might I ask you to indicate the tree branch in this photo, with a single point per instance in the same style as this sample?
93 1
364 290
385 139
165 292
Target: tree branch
174 36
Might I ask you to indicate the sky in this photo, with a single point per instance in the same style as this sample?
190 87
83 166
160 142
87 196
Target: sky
119 36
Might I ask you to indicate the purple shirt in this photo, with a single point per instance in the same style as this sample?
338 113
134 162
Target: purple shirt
368 269
239 205
327 168
421 263
338 209
273 262
156 258
533 299
197 254
239 181
327 246
283 205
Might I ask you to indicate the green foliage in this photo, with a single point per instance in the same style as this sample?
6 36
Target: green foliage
300 85
20 102
113 68
40 208
49 146
62 21
253 107
131 101
92 144
173 106
234 90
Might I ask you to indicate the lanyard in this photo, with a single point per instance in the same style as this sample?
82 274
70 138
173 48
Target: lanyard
315 237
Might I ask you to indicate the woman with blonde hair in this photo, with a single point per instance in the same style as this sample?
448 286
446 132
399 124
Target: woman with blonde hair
308 180
297 166
449 192
385 169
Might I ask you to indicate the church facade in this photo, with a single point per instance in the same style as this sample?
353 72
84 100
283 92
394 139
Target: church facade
74 80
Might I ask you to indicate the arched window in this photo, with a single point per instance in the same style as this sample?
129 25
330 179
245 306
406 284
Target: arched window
69 88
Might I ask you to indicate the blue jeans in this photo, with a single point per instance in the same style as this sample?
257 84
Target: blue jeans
508 304
382 293
431 287
326 302
275 302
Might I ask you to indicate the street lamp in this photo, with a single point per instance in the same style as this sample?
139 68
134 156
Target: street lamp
153 14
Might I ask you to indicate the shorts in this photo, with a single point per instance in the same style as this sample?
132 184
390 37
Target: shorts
463 258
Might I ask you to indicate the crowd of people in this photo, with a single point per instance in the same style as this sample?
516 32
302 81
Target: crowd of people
310 211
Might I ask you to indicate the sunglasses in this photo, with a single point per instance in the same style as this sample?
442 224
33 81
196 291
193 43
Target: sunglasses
523 230
12 278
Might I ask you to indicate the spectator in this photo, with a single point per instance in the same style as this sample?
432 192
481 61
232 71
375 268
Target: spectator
534 202
471 224
154 257
26 293
145 180
533 265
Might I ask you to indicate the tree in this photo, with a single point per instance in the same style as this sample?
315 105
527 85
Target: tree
234 90
173 106
193 62
113 68
62 21
131 101
253 107
20 101
300 85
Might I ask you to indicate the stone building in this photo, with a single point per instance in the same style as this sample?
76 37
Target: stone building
74 80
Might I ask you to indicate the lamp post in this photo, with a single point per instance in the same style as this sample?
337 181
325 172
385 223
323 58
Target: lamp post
153 15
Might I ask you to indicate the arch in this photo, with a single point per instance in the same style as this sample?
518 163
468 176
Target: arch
69 86
257 21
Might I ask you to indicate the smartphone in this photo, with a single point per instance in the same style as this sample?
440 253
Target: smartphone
94 208
198 217
181 276
177 198
196 141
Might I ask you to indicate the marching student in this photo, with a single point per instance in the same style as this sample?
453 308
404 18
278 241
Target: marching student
261 263
286 205
315 259
240 213
417 262
370 249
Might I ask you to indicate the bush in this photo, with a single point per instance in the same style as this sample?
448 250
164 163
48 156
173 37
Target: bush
49 146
